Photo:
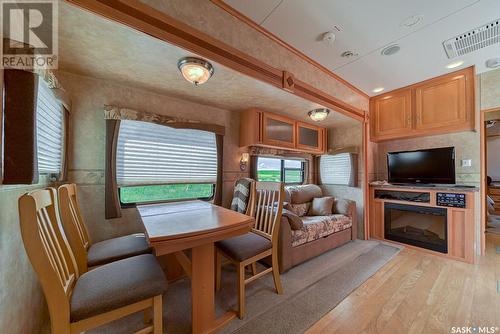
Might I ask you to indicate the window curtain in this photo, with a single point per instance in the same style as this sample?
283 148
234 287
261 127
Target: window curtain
20 147
114 114
111 200
20 122
310 170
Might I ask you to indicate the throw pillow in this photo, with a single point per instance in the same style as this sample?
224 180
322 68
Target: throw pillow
299 209
341 206
321 206
294 220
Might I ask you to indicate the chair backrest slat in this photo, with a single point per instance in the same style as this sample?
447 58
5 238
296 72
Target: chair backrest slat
48 250
268 208
52 248
74 225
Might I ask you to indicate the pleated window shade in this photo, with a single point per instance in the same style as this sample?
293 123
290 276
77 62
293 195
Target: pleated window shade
149 153
338 169
50 130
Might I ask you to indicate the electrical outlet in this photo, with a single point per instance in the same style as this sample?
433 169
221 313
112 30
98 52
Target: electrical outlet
466 163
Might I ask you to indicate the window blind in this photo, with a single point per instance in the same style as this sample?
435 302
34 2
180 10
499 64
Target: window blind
338 169
49 127
149 153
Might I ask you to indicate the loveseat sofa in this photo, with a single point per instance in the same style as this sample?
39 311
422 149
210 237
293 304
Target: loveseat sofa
312 224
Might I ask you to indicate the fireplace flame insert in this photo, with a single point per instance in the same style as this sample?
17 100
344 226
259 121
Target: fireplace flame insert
419 226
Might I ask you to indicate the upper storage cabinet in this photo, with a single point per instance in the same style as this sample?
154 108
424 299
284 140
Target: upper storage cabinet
391 115
278 131
309 137
440 105
259 128
444 104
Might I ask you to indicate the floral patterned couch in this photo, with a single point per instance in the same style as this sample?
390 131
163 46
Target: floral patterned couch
304 236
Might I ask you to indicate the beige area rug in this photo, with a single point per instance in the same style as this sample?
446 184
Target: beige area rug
310 291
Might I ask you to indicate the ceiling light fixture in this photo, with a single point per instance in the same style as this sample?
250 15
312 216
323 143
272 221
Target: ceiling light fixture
493 62
412 21
378 89
195 70
318 115
455 64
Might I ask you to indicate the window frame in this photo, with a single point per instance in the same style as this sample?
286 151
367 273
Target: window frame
134 204
284 169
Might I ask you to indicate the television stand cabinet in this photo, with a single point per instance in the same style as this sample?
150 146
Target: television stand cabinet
436 219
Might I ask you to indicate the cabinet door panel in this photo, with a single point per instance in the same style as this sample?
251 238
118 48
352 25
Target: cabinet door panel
278 131
377 220
442 104
309 137
391 115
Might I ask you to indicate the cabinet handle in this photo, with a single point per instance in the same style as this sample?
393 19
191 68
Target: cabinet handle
408 121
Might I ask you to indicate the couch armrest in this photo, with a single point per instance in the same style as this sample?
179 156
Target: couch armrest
348 208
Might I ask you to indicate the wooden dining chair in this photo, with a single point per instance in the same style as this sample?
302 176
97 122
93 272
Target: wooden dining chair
90 254
261 242
243 197
78 302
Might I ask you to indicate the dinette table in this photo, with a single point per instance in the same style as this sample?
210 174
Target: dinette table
196 225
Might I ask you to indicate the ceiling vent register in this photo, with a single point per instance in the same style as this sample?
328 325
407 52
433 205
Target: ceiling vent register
473 40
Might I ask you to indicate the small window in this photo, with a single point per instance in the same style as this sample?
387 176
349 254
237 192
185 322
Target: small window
156 163
280 170
50 130
339 169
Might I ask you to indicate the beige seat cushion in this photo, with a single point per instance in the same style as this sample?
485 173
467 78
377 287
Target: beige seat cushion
115 285
316 227
244 246
117 248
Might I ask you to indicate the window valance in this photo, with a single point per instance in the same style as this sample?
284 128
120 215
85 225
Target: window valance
117 113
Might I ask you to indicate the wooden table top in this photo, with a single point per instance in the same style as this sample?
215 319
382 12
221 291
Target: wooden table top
168 221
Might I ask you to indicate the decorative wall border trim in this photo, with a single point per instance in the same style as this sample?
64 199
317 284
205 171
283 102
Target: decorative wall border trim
150 21
242 17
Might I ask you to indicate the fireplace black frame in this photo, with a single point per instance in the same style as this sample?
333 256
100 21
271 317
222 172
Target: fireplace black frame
411 241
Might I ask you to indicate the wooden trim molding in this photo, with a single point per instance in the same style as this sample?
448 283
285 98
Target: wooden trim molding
148 20
242 17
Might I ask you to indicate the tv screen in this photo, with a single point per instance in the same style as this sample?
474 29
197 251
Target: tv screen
423 166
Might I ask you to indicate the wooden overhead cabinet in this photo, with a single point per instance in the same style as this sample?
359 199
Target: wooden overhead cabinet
391 115
260 128
440 105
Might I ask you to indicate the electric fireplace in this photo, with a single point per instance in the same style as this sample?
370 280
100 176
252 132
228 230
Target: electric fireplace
419 226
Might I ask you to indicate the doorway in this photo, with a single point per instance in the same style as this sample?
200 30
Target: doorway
490 174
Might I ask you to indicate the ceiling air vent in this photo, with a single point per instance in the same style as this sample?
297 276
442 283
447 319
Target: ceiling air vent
473 40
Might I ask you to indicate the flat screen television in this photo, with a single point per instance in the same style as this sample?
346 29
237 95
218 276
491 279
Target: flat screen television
424 166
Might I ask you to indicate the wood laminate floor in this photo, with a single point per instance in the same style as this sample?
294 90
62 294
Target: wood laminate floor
421 293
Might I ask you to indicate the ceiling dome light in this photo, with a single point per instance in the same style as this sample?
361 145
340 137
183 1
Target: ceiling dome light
318 115
455 64
378 89
195 70
493 63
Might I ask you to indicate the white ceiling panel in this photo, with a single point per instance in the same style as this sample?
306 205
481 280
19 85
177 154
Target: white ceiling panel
257 10
367 26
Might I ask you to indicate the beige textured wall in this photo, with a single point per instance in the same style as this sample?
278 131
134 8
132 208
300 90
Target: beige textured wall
342 138
490 89
214 21
87 142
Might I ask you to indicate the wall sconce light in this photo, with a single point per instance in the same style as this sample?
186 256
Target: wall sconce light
244 161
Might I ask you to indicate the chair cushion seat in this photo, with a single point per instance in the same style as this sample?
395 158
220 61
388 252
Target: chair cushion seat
117 248
244 246
115 285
